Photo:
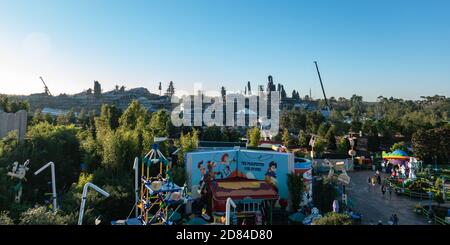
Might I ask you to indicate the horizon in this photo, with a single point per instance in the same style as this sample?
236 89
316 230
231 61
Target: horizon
397 49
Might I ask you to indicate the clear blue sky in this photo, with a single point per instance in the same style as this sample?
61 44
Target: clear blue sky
371 48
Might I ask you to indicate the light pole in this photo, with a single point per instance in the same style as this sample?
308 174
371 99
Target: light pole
312 142
136 184
84 196
52 167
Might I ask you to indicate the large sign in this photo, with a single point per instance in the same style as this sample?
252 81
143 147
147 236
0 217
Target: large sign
268 166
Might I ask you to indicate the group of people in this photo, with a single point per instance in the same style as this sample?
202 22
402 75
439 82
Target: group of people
376 178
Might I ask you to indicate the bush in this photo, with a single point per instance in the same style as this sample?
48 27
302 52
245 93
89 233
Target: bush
5 219
334 219
41 216
295 186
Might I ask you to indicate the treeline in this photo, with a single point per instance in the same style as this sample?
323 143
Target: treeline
383 123
100 149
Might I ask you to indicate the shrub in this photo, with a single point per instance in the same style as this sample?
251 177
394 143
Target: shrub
41 216
295 186
334 219
5 219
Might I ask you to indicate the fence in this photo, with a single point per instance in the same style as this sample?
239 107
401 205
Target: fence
435 219
412 194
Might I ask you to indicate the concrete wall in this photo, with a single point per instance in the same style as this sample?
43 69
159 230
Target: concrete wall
13 121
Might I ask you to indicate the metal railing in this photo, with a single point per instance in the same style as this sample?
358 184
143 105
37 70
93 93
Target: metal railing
435 219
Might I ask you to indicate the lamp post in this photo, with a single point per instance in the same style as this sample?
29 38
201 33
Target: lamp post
84 196
312 142
136 184
52 167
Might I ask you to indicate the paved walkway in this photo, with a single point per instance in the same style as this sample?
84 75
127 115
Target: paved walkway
370 202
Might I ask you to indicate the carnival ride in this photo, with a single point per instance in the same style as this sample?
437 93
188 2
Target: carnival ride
160 198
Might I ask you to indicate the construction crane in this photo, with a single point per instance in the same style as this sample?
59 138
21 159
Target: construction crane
47 91
321 84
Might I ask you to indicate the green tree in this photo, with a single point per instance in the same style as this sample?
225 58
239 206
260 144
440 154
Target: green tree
213 133
343 145
286 138
12 105
296 188
158 123
330 139
324 193
303 139
254 136
323 129
188 142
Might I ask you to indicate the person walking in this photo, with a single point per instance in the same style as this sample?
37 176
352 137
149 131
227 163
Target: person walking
390 192
379 179
395 219
383 189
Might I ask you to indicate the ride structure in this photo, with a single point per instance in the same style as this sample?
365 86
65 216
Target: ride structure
160 198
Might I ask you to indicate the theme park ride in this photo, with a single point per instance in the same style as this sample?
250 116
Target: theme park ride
160 198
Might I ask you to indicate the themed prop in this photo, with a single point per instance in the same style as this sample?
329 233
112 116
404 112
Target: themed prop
19 171
84 196
52 166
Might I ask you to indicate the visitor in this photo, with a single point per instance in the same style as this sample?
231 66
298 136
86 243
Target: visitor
368 180
373 180
390 191
383 189
391 220
395 219
379 179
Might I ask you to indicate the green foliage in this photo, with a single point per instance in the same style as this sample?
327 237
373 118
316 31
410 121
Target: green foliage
303 139
188 142
287 139
323 129
213 133
254 136
332 218
399 146
293 120
330 139
343 145
12 105
432 145
313 120
319 146
231 135
5 219
41 216
296 188
136 115
44 143
158 123
324 193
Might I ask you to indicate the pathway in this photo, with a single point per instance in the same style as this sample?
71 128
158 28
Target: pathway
370 202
